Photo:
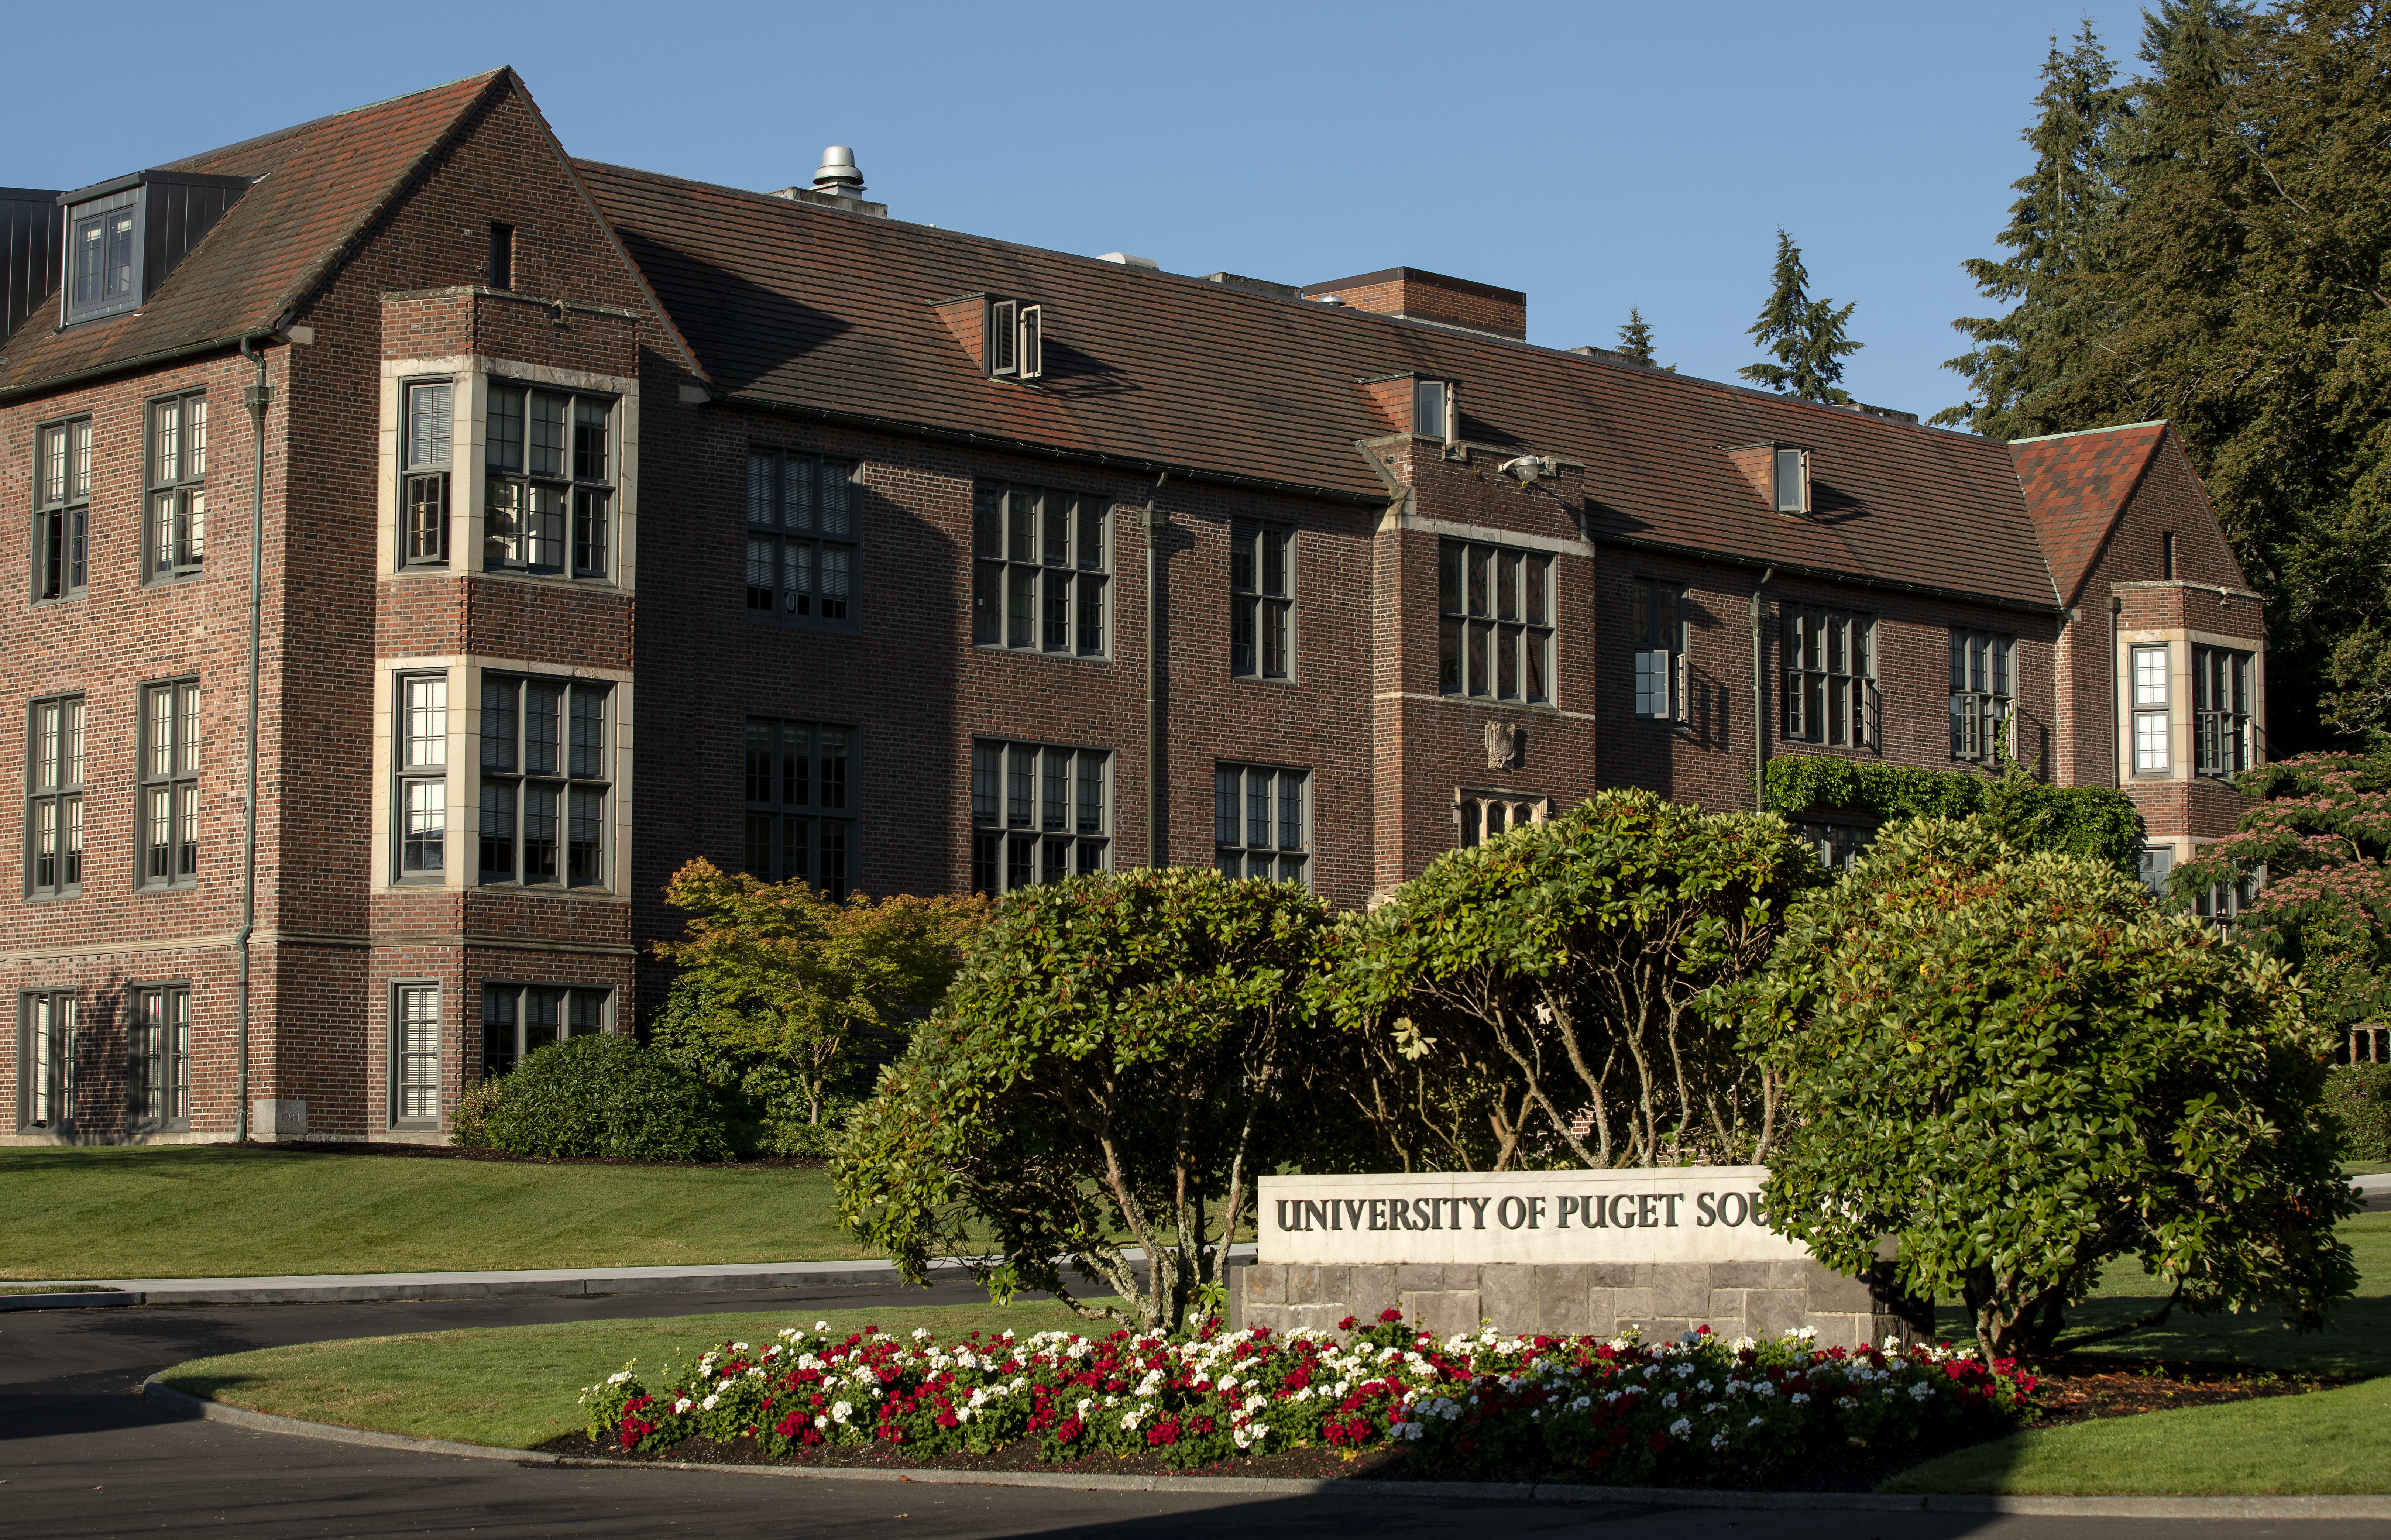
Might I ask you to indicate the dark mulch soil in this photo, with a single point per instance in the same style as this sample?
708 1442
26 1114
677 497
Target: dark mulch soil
455 1152
2075 1390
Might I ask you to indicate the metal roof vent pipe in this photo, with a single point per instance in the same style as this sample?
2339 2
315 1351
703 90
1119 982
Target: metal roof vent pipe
838 175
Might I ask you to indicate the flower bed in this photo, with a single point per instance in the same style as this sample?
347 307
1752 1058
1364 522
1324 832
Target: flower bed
1620 1411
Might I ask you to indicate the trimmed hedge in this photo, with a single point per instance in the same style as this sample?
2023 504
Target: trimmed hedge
604 1095
2098 822
2359 1095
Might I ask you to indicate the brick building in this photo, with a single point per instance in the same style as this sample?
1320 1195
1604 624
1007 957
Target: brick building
823 543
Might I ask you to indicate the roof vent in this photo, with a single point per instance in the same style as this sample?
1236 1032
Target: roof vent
1255 286
1126 260
1889 414
838 175
1612 355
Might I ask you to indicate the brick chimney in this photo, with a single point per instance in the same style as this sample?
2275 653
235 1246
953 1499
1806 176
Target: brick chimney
1414 293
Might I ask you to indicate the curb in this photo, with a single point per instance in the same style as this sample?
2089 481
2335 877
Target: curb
468 1287
2356 1507
81 1299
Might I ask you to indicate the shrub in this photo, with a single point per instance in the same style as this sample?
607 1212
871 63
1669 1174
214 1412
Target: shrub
2359 1095
607 1096
1107 1071
1618 1412
2096 823
2019 1067
470 1127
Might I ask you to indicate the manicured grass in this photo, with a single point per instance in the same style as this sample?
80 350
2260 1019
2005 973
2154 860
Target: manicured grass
2327 1442
206 1210
516 1386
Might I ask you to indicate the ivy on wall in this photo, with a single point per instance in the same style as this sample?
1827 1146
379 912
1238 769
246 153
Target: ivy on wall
2095 821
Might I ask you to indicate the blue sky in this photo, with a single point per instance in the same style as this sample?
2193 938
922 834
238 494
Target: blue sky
1597 156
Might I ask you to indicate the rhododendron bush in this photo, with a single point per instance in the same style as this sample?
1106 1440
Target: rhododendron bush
1620 1410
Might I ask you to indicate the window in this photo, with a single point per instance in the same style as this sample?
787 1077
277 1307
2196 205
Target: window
800 538
1483 815
800 810
2220 711
177 519
1838 845
1829 677
169 819
1039 581
1016 347
429 426
422 765
2167 555
2153 753
53 799
46 1056
1660 637
1495 627
1981 690
1792 475
415 1056
551 504
2219 902
61 541
544 783
1261 822
520 1019
104 256
1261 601
502 256
1040 814
1432 408
2152 863
161 1043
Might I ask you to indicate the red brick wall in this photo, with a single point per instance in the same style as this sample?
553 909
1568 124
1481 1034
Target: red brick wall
1409 291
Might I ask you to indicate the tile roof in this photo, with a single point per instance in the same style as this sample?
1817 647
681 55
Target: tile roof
321 185
800 306
2075 485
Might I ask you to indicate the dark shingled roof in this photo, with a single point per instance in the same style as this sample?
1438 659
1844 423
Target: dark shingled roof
321 185
2077 485
802 306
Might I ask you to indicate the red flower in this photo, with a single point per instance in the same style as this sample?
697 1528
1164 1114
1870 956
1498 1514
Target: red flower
1658 1441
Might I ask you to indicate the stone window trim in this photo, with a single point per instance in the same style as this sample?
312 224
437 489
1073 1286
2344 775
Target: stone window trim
61 510
521 1016
1662 631
1261 600
462 799
417 1052
802 550
801 790
166 805
544 777
47 1045
1827 658
1041 570
1040 813
1261 822
175 478
2223 694
1497 609
158 1054
1479 813
467 492
2149 690
56 744
420 799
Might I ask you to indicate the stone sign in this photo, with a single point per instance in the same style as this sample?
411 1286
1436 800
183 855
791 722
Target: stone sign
1565 1252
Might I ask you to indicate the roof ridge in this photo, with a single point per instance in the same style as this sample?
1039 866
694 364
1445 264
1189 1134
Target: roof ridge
2081 432
281 134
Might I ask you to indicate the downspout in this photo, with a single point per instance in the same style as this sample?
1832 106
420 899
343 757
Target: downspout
1157 834
2116 699
1759 703
255 399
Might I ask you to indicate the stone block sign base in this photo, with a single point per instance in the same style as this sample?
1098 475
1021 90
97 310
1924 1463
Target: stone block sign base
1757 1298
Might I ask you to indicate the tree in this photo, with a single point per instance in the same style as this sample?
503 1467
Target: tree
1556 966
2319 831
2021 1069
2062 232
1109 1070
1635 337
774 975
1806 335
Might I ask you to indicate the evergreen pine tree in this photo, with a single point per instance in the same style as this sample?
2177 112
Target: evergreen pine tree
1635 337
1806 335
2061 229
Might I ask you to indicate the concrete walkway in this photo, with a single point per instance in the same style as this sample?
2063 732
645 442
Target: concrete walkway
554 1282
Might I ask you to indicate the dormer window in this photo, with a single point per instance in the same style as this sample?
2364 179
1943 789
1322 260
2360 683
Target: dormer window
124 237
1016 347
1792 480
1432 408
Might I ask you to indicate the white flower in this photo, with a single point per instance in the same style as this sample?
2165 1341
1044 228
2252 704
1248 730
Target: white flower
821 1422
1682 1427
1765 1388
1718 1441
1755 1422
681 1405
824 1326
738 1347
1800 1398
1743 1344
707 1405
1670 1400
921 1334
617 1378
840 1411
1922 1392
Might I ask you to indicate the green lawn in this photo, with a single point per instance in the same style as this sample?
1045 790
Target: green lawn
203 1210
516 1386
